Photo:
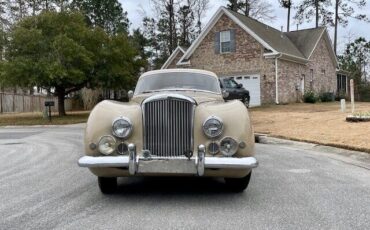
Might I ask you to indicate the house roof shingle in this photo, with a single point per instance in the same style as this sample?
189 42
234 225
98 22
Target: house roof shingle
275 38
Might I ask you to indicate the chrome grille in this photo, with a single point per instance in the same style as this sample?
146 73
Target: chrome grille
168 125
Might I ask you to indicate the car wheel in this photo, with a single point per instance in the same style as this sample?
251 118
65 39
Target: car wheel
238 184
246 102
107 185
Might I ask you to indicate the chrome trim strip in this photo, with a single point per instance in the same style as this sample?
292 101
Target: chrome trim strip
169 96
97 162
208 163
230 162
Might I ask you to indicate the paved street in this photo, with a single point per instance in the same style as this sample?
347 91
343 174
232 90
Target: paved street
295 187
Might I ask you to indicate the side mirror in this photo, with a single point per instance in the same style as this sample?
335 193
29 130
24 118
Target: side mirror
130 94
239 86
225 94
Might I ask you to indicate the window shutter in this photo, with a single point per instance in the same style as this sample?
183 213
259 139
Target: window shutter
232 40
217 42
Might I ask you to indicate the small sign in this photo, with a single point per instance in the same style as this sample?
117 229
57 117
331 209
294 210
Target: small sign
49 103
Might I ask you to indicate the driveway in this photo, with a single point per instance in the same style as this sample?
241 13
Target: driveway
295 187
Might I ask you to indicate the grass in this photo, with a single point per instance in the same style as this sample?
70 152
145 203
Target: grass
37 118
321 123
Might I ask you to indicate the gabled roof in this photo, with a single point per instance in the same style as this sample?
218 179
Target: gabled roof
275 38
297 46
173 55
305 40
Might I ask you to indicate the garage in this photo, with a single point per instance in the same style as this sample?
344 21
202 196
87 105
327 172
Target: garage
251 83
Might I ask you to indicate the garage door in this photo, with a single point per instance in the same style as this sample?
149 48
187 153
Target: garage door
251 83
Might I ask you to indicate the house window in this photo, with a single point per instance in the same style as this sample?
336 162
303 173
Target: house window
225 41
342 83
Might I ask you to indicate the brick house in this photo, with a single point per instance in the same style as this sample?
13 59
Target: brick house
275 66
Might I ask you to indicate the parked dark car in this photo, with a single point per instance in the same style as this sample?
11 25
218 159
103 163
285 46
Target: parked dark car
235 90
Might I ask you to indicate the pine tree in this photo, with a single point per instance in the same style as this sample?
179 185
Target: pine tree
288 5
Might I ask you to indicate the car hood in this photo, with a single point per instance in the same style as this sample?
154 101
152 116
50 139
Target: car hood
198 96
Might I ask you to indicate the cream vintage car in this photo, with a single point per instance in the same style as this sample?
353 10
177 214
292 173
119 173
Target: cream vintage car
176 124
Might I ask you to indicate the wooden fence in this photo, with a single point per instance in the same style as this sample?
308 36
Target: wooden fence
18 103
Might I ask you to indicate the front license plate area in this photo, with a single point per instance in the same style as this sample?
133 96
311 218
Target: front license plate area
167 166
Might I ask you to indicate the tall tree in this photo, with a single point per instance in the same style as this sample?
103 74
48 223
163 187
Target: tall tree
186 19
167 23
345 9
317 9
150 34
288 5
107 14
58 51
199 8
257 9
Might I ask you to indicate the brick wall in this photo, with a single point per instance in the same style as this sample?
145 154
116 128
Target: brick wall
291 73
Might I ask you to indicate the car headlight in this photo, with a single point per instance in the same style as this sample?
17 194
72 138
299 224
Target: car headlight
122 127
213 127
228 146
107 145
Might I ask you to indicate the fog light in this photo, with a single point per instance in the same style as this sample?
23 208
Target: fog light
107 145
242 145
228 146
122 148
213 148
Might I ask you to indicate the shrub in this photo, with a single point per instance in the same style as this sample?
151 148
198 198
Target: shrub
309 97
326 97
340 95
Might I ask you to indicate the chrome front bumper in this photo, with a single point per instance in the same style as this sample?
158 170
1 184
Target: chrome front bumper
182 165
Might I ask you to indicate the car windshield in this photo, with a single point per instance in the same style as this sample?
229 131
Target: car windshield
177 81
230 83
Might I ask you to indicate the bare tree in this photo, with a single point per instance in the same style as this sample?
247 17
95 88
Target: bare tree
200 7
257 9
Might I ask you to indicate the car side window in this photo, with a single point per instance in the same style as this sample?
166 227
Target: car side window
230 83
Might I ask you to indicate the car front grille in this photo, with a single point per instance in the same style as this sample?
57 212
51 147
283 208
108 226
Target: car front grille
168 125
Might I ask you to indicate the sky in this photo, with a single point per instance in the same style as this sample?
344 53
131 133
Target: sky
137 9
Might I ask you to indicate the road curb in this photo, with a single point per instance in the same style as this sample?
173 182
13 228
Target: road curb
362 158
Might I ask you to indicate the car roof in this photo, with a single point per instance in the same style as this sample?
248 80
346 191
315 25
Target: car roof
200 71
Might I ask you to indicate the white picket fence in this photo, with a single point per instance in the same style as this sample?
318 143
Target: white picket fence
18 103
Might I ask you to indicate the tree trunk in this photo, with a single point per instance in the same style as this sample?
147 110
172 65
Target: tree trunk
247 8
60 92
317 12
336 26
288 21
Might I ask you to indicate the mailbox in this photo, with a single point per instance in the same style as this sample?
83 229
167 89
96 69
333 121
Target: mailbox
49 103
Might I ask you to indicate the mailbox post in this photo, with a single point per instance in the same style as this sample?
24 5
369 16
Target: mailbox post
49 104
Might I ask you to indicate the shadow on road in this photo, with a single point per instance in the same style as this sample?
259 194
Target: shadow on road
170 185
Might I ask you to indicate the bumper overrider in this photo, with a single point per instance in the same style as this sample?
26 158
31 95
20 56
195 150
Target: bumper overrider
180 165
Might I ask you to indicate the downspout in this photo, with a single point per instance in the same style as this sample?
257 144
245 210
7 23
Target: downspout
277 80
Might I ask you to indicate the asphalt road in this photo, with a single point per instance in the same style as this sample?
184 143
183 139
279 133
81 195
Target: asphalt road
295 187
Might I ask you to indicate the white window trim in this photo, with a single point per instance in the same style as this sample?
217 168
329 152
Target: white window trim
225 41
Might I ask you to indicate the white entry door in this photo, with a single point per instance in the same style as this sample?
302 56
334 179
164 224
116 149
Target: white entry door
252 83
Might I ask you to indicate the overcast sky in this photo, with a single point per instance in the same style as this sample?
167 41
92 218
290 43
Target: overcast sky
137 9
